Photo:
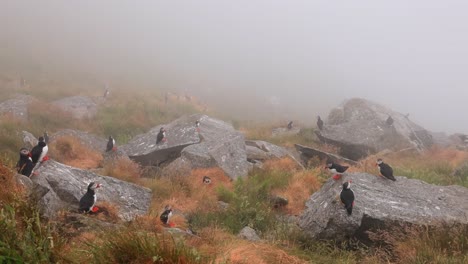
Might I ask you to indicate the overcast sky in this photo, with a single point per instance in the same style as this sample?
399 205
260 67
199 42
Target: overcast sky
309 55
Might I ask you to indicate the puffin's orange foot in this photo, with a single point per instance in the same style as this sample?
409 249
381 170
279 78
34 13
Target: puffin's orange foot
94 209
336 177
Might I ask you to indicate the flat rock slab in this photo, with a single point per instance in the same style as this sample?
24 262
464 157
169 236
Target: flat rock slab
309 152
60 187
381 203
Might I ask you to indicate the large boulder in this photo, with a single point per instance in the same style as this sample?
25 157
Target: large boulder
60 187
215 144
89 140
381 204
17 106
79 106
358 127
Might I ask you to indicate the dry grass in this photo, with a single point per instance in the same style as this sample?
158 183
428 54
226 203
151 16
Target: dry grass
108 212
10 188
123 169
301 185
70 151
244 252
284 164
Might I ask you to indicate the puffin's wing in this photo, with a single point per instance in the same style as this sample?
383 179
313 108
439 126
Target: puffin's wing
340 168
86 202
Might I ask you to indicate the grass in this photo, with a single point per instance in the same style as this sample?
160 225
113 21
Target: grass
70 151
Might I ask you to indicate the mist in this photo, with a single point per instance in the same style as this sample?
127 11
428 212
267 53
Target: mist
301 58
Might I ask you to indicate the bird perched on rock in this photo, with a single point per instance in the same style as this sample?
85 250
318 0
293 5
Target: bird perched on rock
385 170
197 125
39 152
110 144
24 165
161 136
89 199
319 123
347 197
206 180
389 121
166 215
290 125
336 169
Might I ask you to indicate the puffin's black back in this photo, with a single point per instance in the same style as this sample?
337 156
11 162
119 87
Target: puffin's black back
110 144
36 151
347 198
165 216
339 168
386 171
320 123
87 201
159 137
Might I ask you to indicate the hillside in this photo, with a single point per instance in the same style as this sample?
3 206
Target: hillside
207 218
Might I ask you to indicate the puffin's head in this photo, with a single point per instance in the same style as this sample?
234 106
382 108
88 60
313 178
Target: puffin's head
41 139
346 185
24 152
379 161
94 185
329 164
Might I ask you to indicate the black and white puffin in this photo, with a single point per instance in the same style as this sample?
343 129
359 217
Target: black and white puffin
46 137
290 125
89 199
336 169
161 136
319 123
25 165
206 180
39 152
197 125
347 197
166 215
385 170
110 144
389 121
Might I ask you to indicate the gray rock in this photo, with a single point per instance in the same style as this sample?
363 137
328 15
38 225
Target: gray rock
380 203
114 156
79 106
17 106
60 187
249 234
216 144
89 140
25 182
254 153
308 153
29 140
359 129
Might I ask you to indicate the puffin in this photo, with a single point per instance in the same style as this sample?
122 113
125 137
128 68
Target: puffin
197 125
46 137
347 197
25 165
206 180
39 152
336 169
319 123
161 136
385 170
290 125
89 199
110 144
166 215
389 121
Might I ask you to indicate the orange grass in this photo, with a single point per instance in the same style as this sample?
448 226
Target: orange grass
70 151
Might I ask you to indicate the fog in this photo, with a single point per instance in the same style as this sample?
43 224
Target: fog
302 57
